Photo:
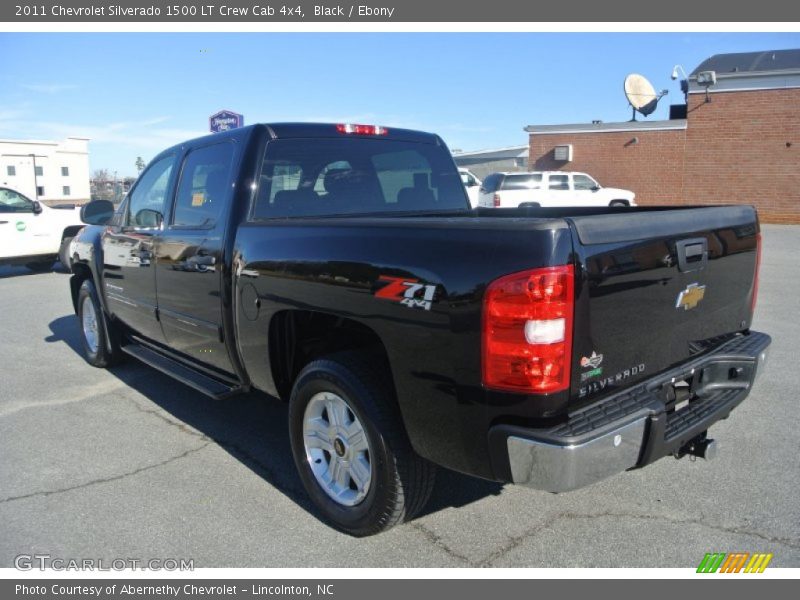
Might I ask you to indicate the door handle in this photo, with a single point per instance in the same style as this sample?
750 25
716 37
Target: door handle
692 254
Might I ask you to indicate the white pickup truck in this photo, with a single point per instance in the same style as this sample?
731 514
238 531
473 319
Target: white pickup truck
33 234
549 188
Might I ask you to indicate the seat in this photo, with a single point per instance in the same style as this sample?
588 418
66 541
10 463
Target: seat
297 203
418 197
351 191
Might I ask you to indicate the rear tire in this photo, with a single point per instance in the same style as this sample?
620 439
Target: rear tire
100 342
619 203
364 483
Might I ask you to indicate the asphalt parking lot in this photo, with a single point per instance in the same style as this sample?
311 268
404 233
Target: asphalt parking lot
130 464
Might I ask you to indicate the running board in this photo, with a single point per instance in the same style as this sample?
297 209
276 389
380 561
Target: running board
202 383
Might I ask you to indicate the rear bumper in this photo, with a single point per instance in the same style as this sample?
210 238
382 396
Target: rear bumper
631 428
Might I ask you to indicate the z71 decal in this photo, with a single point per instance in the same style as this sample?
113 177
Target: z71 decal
410 292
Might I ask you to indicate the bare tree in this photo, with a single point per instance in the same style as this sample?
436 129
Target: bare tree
139 164
101 175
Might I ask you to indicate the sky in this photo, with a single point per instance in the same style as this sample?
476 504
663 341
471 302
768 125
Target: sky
135 94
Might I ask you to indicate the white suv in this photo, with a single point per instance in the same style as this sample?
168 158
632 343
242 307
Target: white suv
549 188
34 234
471 184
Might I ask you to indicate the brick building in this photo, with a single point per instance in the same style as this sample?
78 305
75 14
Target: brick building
741 145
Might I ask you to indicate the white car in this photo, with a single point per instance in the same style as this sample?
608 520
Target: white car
549 188
472 184
33 234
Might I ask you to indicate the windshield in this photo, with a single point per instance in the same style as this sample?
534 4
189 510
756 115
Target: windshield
325 177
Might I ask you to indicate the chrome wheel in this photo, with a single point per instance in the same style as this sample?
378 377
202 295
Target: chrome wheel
337 448
89 320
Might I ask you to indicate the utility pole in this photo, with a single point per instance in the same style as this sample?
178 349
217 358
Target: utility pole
35 183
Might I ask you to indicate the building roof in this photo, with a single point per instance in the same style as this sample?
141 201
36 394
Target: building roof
751 62
608 127
749 71
495 153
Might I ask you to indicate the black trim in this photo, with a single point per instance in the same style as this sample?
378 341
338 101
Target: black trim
632 225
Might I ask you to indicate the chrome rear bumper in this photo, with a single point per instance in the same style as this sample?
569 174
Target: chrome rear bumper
634 427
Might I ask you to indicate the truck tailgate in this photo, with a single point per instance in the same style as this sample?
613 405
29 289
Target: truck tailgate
656 288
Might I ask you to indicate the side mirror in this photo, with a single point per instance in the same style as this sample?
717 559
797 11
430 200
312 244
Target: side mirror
149 218
595 188
97 212
37 207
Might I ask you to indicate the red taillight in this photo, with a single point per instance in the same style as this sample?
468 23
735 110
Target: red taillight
361 129
756 273
527 331
496 200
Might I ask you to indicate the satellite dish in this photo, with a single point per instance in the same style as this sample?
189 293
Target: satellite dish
641 94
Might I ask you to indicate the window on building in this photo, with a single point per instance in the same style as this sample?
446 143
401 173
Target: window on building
520 162
559 182
65 190
65 171
40 190
11 170
39 171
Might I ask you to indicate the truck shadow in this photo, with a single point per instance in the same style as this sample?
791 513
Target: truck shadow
251 427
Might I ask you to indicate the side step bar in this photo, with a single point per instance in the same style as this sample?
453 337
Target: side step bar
202 383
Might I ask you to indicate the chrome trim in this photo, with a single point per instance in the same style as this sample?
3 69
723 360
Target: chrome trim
556 468
761 362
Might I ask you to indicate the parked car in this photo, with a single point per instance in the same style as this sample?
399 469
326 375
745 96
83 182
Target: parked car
34 234
339 267
549 188
471 184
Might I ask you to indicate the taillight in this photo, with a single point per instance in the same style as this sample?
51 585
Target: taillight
361 129
527 331
496 200
756 273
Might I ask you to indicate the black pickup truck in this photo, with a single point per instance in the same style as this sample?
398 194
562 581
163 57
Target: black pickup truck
339 267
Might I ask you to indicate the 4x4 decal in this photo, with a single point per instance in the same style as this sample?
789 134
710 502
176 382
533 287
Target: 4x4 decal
406 291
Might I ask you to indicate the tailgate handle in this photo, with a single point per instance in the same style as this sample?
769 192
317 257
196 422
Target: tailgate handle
692 254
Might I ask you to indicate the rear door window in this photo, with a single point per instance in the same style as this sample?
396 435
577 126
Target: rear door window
527 181
559 182
491 183
204 186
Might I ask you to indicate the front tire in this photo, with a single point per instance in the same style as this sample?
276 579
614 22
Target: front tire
351 449
100 343
619 203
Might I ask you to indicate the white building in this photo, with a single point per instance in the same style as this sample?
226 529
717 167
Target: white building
49 171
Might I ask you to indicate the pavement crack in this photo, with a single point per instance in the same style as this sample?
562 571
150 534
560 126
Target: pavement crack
179 425
516 541
106 479
437 541
261 468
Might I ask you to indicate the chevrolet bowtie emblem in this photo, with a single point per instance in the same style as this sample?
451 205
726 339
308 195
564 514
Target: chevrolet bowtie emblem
691 296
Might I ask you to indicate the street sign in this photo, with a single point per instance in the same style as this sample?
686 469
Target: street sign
225 120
